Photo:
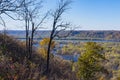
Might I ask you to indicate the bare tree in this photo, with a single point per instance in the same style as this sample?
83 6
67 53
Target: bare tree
10 5
7 6
57 25
30 14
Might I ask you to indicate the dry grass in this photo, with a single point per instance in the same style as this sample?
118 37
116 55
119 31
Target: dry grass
15 66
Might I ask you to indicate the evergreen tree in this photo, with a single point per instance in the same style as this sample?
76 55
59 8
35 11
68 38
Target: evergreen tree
89 62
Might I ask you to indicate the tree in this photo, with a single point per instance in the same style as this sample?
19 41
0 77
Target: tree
44 46
10 5
89 62
30 13
7 6
57 25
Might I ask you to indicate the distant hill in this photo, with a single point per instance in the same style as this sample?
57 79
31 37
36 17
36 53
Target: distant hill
107 35
90 34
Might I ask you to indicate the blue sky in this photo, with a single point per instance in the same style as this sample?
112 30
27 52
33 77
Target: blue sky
98 14
88 14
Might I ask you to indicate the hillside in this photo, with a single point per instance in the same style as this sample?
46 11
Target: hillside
82 34
107 35
15 66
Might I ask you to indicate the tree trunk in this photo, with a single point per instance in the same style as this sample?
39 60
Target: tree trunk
48 54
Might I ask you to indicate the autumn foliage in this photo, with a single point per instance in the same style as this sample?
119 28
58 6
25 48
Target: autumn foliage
44 46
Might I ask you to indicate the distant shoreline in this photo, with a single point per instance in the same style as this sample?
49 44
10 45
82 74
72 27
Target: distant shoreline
91 35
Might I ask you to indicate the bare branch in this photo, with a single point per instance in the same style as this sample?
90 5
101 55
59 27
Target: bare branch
3 22
42 20
12 17
57 14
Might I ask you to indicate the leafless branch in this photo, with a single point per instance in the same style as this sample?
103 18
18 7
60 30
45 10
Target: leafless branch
57 14
3 22
42 20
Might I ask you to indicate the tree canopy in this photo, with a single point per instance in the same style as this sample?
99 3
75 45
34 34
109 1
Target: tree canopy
89 62
44 46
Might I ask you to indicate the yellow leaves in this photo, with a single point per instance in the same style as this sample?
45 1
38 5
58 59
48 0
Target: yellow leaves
43 52
44 46
102 78
44 43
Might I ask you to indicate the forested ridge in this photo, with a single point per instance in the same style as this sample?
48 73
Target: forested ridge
106 34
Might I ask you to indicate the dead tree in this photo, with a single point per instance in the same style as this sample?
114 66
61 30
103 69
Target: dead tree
30 13
57 25
10 5
7 6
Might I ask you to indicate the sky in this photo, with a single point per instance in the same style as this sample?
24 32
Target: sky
97 14
87 14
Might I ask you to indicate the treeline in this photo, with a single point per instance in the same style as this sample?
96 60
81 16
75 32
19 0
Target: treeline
107 35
